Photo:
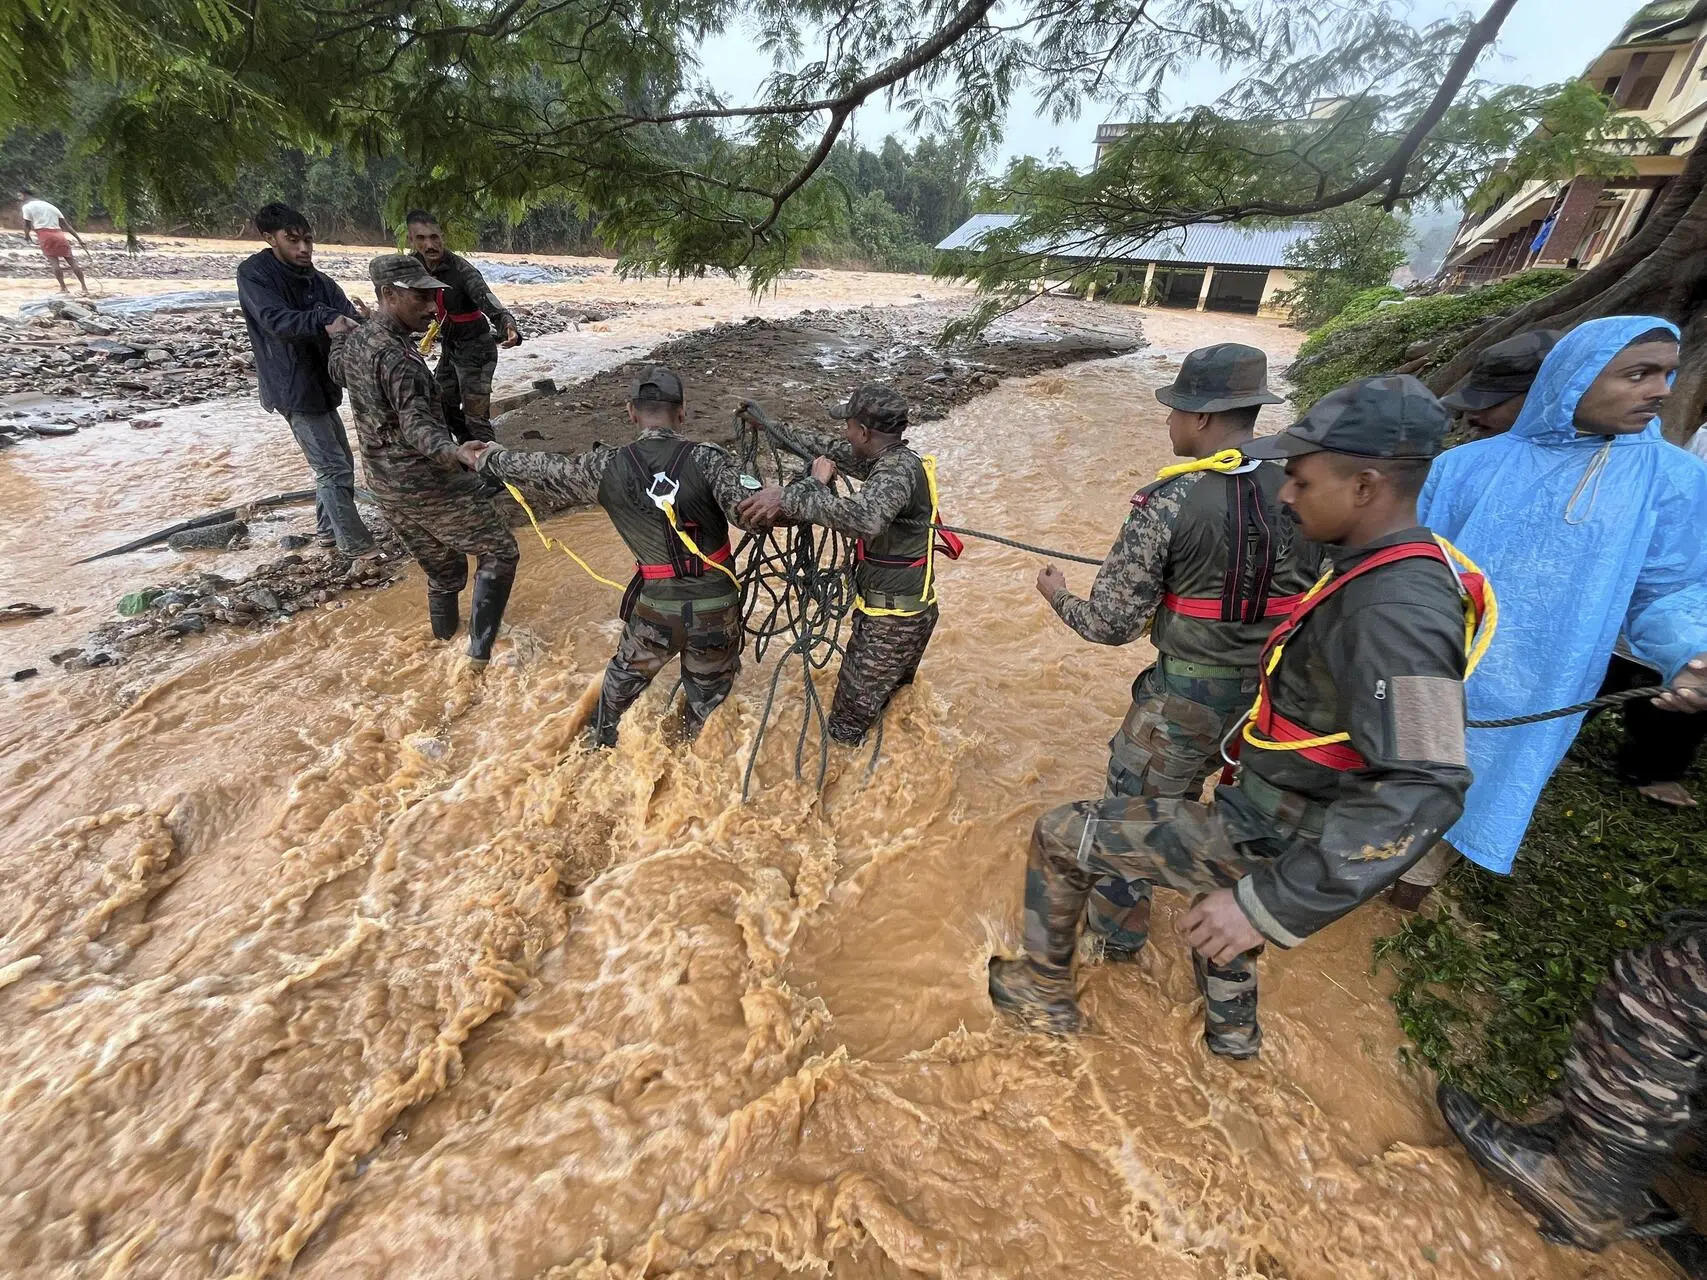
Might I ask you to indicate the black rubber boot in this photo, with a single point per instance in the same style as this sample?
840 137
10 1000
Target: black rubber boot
441 609
1041 999
1586 1191
601 729
492 584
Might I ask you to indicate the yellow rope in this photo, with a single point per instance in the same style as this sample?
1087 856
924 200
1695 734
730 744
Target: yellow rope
426 343
1225 461
550 542
669 511
928 594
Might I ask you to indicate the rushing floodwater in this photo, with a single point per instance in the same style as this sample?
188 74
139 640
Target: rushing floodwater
322 958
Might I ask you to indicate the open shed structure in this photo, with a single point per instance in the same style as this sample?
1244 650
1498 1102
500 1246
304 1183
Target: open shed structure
1207 266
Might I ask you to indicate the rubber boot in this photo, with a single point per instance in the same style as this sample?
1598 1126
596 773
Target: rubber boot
1230 1026
1585 1190
441 609
492 584
1039 995
601 729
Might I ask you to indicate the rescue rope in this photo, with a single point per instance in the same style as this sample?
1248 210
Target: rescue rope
1595 704
1020 546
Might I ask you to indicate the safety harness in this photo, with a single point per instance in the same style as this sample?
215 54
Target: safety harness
686 559
1268 730
1250 568
944 543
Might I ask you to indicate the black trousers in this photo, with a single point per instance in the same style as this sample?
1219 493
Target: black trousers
1659 745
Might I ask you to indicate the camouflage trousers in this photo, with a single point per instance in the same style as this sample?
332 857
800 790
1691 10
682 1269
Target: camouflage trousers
442 528
1142 841
883 654
464 378
1640 1054
1168 745
707 635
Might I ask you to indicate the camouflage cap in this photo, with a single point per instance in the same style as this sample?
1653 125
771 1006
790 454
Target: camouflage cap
1504 370
656 385
403 270
1393 416
1228 375
875 406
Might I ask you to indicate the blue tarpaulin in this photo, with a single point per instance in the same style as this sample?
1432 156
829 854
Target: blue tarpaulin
1582 537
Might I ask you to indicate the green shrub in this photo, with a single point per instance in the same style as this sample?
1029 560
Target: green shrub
1356 347
1489 988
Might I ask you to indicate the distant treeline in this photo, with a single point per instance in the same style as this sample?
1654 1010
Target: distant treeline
894 203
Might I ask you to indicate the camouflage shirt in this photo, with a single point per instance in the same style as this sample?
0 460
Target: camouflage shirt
405 445
889 480
467 291
1177 540
568 480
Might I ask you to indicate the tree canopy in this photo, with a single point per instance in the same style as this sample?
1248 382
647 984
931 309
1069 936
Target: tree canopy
604 107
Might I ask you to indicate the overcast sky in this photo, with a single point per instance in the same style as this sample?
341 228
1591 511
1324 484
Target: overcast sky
1542 41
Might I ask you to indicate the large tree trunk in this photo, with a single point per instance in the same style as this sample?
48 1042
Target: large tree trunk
1661 271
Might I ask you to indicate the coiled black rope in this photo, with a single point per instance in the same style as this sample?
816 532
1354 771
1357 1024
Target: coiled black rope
797 589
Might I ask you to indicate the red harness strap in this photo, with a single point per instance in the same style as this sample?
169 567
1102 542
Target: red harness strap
654 572
1209 607
1269 722
454 317
947 545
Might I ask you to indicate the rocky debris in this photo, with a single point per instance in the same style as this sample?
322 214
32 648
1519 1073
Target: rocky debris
112 262
23 610
24 673
228 534
273 592
161 359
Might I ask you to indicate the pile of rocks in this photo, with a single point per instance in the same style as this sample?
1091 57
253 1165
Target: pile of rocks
289 585
147 361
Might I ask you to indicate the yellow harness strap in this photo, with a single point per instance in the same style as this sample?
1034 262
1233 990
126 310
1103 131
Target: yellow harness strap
1225 461
550 542
669 510
928 593
1478 635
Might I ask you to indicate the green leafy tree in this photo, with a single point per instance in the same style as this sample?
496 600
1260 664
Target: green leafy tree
1352 249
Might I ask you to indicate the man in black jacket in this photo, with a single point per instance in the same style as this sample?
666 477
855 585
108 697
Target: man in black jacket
292 311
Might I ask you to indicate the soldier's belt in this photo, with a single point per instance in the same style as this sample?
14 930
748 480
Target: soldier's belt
884 603
1201 670
724 601
1286 807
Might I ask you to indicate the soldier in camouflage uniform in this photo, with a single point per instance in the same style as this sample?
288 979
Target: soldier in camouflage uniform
893 517
467 313
1208 564
680 601
1353 763
1493 393
1637 1066
430 501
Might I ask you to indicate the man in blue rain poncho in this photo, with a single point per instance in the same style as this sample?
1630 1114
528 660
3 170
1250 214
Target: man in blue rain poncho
1588 524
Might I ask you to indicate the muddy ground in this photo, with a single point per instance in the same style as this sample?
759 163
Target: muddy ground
797 368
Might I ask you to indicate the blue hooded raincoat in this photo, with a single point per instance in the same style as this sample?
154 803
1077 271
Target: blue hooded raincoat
1582 537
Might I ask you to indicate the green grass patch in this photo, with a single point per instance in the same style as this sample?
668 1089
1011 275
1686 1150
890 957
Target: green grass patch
1367 338
1491 983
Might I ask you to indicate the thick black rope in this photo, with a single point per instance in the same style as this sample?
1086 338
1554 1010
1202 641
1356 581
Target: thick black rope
1022 546
1595 704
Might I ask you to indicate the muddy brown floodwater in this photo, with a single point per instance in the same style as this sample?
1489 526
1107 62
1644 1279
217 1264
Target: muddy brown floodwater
321 958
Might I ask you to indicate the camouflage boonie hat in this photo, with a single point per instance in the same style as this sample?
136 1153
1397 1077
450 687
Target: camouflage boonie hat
1228 375
403 270
1393 416
875 406
656 385
1504 370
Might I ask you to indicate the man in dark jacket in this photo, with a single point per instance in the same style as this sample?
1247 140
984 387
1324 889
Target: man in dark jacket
467 313
292 311
1354 758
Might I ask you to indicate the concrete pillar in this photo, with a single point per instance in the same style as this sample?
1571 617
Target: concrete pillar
1149 280
1571 220
1203 293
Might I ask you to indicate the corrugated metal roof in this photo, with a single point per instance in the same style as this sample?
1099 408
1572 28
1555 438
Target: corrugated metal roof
1221 244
